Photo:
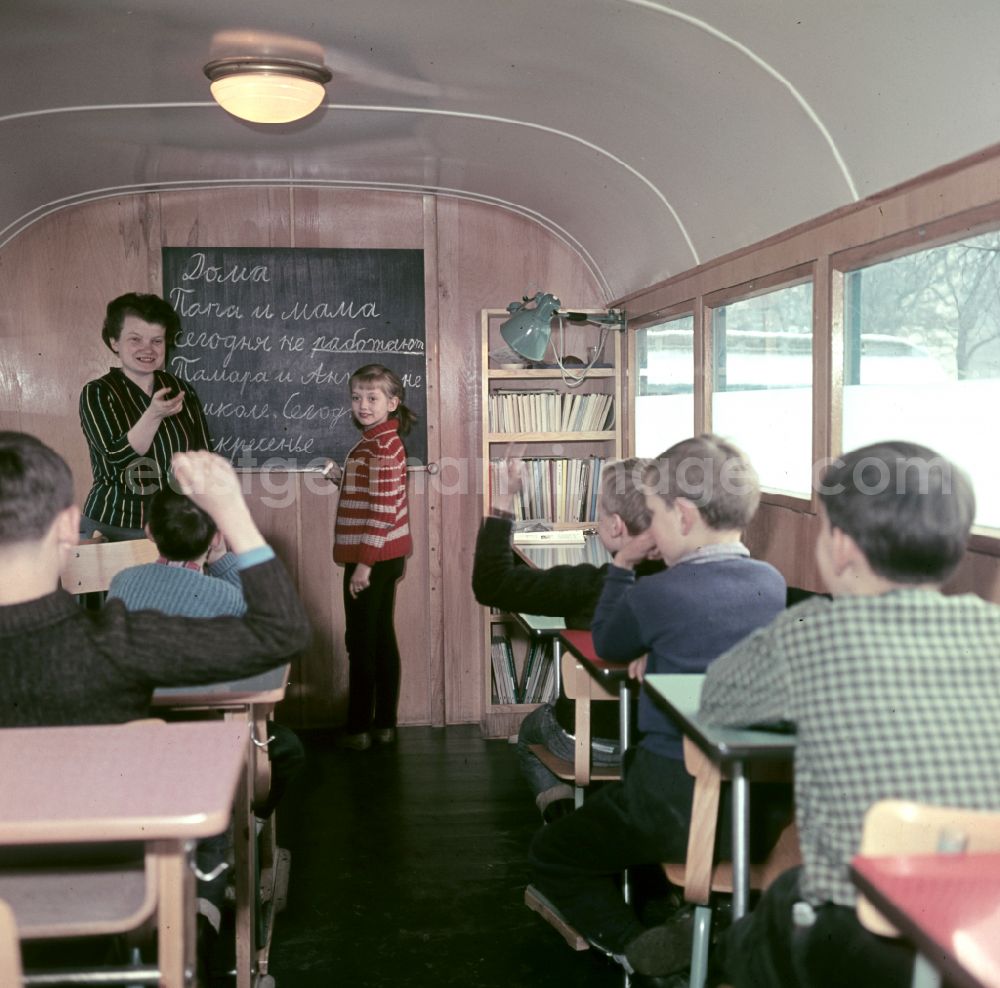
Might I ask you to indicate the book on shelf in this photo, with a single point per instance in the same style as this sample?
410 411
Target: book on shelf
538 684
546 410
569 536
504 672
555 489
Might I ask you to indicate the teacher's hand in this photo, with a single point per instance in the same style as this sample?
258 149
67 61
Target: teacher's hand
164 403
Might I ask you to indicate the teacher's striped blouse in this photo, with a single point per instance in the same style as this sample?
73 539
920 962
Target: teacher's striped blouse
124 480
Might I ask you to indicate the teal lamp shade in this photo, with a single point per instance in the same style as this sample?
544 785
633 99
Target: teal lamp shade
527 331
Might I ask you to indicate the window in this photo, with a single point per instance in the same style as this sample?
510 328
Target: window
664 403
762 383
922 357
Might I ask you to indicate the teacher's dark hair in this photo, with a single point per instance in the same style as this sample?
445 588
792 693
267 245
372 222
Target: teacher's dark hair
148 308
35 485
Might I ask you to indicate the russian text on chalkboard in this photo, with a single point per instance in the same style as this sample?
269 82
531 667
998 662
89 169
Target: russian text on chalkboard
271 335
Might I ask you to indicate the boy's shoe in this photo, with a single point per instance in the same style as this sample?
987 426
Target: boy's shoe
356 742
665 949
557 809
385 735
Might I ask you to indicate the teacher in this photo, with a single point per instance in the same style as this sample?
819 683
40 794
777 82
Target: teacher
135 417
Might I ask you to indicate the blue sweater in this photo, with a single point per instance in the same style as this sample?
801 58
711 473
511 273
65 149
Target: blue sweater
176 590
683 617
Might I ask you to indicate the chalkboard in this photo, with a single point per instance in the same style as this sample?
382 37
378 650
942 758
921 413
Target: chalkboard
271 335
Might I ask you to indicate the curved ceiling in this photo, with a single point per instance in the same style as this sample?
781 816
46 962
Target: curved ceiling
649 137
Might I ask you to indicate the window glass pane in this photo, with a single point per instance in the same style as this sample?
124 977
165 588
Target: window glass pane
664 402
762 394
922 357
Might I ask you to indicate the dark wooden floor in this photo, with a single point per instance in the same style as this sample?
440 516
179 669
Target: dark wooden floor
409 867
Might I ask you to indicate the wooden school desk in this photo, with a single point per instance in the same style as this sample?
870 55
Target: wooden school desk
947 905
581 644
160 785
730 746
248 702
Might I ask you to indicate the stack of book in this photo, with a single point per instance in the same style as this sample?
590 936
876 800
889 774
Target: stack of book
550 411
537 683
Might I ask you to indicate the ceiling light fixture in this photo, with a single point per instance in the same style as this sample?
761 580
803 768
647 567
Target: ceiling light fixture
267 90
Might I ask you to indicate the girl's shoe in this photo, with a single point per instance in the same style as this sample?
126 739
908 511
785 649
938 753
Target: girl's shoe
385 735
356 742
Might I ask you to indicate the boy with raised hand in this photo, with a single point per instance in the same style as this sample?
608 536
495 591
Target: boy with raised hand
893 689
701 493
569 591
61 664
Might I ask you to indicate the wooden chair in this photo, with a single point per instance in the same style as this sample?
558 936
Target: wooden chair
583 689
92 565
10 949
894 826
700 875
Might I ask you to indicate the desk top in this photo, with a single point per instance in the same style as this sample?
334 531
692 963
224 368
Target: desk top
265 687
544 556
123 782
581 644
947 904
541 625
680 694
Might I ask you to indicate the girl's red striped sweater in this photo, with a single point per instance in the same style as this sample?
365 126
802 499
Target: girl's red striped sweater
372 515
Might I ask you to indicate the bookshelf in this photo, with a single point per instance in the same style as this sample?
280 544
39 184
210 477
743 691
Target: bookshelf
567 433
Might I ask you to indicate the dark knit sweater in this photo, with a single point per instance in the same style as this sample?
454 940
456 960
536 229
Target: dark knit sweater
500 580
61 664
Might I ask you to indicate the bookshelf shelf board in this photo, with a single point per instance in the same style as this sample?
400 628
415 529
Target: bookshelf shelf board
547 437
552 373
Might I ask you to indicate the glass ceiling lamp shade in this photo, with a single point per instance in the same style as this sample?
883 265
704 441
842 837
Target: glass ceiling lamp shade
267 90
528 330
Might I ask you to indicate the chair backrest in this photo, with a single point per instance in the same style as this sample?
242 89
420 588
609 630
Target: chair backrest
10 948
92 565
895 826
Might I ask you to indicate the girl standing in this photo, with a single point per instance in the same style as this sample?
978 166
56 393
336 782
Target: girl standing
371 540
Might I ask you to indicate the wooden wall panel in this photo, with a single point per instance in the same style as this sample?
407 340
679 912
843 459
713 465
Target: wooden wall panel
57 277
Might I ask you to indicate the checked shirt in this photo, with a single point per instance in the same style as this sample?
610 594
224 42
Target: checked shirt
893 696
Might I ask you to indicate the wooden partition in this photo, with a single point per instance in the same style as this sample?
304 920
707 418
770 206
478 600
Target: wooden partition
57 277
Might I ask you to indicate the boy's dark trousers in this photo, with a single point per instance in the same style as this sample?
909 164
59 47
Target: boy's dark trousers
768 949
372 650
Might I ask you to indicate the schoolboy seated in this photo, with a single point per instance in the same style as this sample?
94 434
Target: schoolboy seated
894 690
701 494
62 664
195 576
568 591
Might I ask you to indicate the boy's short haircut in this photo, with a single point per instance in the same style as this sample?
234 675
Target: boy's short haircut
908 509
35 485
713 474
623 493
180 529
